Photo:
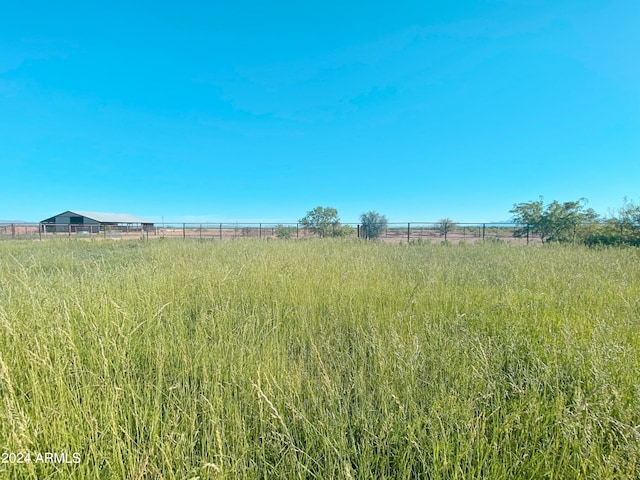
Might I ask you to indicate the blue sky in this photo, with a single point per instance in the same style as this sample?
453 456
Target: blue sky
260 111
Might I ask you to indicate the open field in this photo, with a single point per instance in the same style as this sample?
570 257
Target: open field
319 359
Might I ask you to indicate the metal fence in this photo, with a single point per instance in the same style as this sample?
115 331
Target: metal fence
395 232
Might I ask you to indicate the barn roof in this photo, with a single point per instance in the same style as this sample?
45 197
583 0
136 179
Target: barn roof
106 217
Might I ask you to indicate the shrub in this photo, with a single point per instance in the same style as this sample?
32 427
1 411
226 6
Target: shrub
285 232
373 224
446 226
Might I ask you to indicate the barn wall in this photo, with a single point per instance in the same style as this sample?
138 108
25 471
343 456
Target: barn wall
63 220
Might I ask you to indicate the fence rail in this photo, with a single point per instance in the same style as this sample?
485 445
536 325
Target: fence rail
395 232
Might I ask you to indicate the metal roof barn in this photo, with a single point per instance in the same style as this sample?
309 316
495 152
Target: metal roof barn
93 222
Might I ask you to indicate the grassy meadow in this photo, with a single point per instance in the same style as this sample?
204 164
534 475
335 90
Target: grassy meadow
319 359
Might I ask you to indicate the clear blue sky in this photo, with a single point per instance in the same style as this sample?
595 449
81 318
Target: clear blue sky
260 111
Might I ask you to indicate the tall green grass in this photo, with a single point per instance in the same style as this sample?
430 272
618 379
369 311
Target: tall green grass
320 359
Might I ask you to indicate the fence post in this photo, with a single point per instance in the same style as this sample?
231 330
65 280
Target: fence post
220 231
40 231
69 231
297 229
260 231
527 234
200 231
483 228
184 231
408 232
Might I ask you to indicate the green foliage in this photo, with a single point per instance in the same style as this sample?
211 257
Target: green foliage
323 221
285 232
604 233
420 241
626 224
372 224
495 240
621 228
342 231
559 222
445 226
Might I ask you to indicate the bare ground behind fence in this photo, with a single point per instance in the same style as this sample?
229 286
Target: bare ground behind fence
395 232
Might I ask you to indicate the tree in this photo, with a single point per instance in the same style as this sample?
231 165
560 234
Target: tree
323 221
621 228
527 215
559 222
446 225
372 224
628 221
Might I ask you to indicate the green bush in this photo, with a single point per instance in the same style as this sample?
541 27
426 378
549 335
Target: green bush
285 232
372 225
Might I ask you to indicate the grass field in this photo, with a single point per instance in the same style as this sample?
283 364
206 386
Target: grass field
318 359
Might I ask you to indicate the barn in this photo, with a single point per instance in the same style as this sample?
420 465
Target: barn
94 222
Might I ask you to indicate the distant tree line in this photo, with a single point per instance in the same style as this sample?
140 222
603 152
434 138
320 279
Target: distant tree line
560 222
574 222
